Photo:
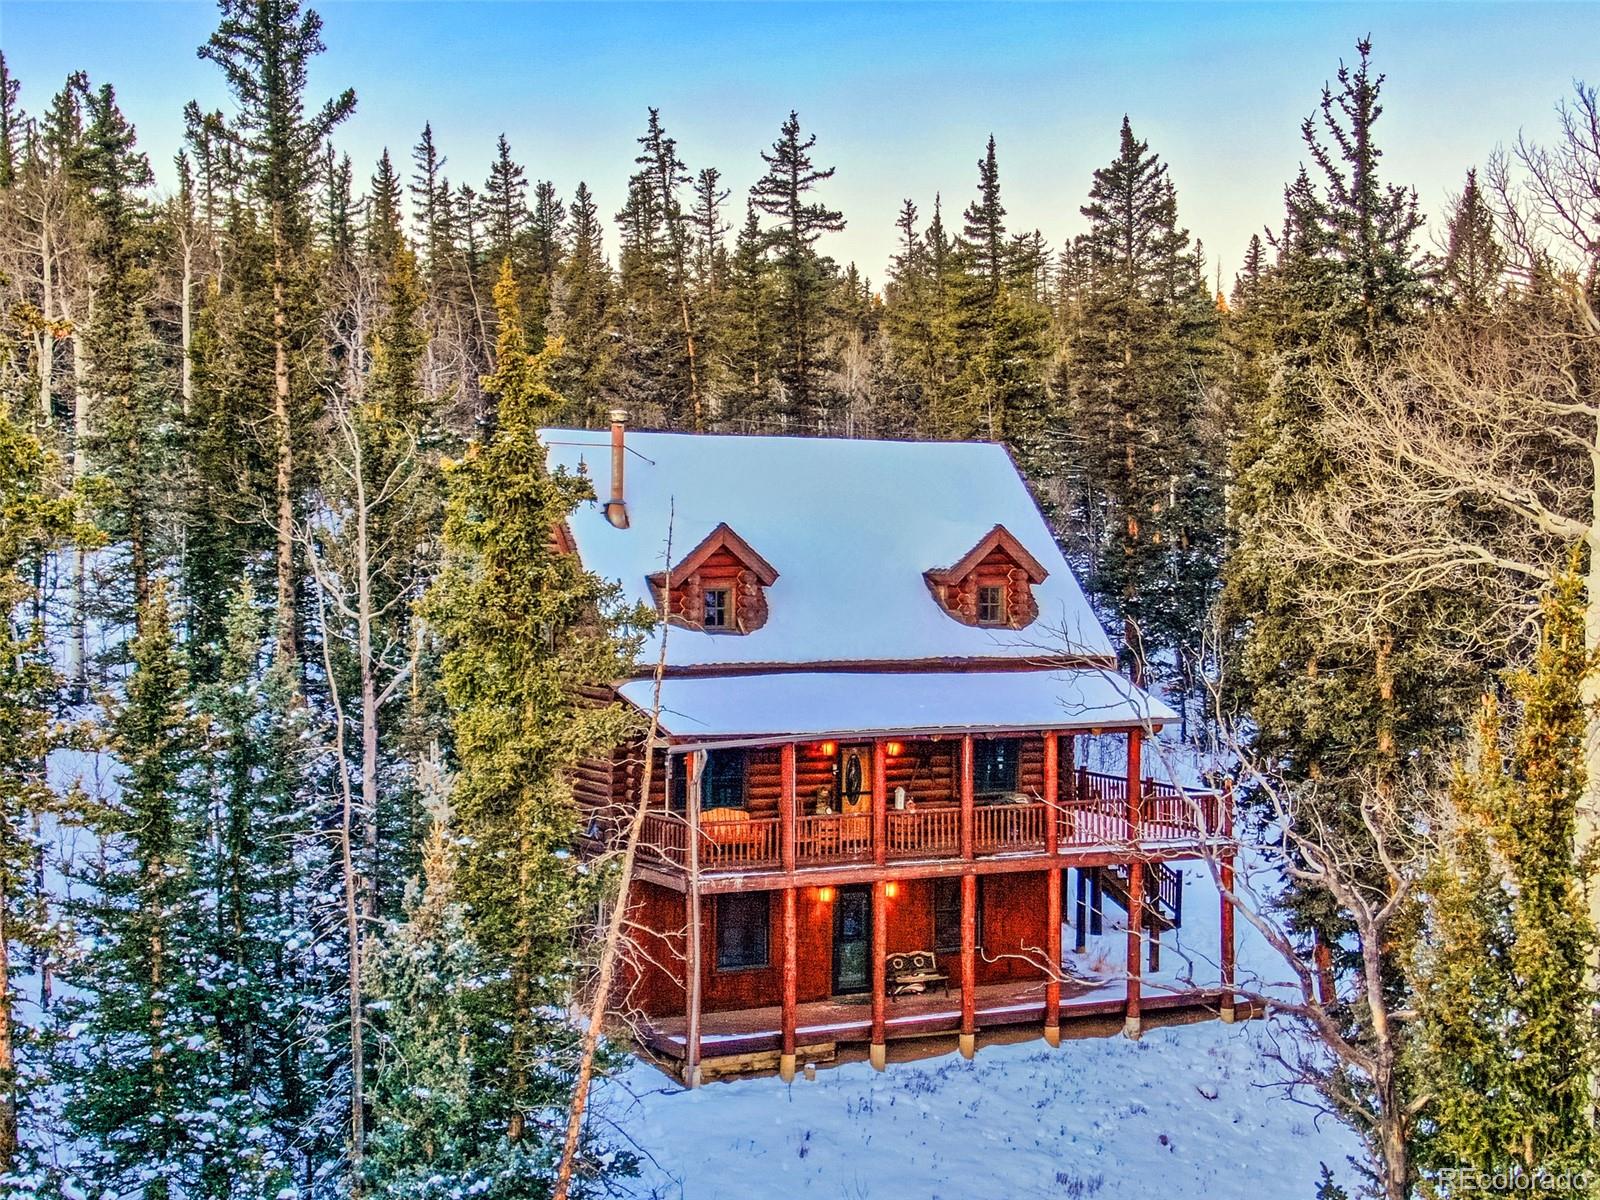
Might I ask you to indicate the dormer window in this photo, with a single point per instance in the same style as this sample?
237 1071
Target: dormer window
991 604
719 587
716 608
991 584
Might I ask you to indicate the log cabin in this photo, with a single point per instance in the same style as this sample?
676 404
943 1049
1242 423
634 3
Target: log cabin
880 678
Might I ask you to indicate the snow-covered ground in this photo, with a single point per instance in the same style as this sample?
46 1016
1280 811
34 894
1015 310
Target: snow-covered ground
1190 1111
1185 1112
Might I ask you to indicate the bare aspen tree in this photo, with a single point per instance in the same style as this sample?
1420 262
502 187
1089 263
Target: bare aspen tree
616 932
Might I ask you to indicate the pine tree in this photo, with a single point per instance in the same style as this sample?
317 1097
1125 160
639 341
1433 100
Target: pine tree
384 234
431 206
582 316
1506 1038
34 519
1472 273
1145 455
430 1121
524 627
750 338
13 121
505 205
130 1071
803 277
264 51
130 398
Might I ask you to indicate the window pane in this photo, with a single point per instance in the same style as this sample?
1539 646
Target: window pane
742 931
991 605
716 615
724 780
994 767
947 916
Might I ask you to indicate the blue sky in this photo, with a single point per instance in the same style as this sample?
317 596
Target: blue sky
901 96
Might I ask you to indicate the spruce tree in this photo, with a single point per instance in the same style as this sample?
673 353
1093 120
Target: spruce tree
130 1070
264 50
1506 1043
1472 272
34 519
130 409
1145 452
582 316
524 629
505 202
802 276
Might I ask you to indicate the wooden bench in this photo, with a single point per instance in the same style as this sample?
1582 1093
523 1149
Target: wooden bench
909 973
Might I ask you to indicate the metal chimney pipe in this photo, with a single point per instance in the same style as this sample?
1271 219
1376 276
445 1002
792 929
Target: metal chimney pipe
617 508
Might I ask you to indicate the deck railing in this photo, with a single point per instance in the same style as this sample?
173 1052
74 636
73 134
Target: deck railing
833 837
1093 811
997 828
924 832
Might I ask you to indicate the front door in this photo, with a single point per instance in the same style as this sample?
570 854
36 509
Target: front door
852 940
855 799
855 779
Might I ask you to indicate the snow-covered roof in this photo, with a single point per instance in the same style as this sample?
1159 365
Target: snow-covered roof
849 525
815 704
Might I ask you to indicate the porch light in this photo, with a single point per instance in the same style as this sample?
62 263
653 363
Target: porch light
893 749
891 890
825 894
830 749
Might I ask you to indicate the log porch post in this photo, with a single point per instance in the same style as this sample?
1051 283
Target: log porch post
1052 883
1131 1026
880 803
1227 1010
787 816
878 1049
966 797
969 963
691 1055
1052 942
791 977
1052 794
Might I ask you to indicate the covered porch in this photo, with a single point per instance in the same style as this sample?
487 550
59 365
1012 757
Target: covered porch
752 1039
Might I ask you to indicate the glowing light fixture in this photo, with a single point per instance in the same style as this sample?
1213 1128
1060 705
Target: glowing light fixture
825 894
893 749
830 748
891 890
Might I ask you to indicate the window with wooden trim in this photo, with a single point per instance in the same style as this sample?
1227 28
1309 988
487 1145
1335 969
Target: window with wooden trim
947 916
723 786
718 608
678 790
743 921
991 605
994 765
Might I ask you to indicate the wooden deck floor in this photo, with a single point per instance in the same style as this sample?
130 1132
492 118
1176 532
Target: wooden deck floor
845 1021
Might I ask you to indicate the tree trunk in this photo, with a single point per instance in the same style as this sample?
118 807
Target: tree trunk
284 434
47 337
77 643
8 1066
186 320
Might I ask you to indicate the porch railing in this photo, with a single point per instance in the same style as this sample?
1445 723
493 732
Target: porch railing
1093 811
924 832
833 837
997 828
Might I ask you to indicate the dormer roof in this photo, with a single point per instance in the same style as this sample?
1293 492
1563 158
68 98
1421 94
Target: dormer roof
997 539
721 538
